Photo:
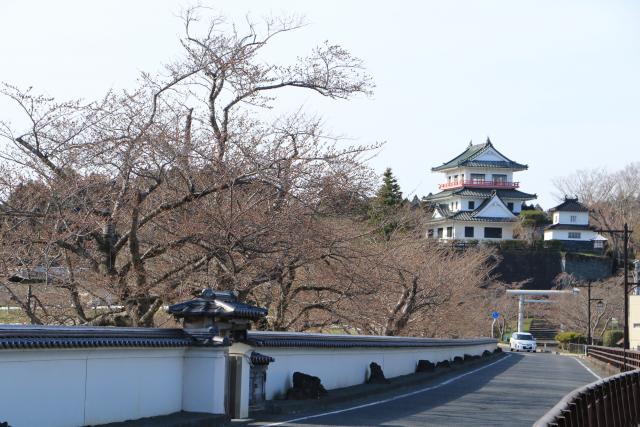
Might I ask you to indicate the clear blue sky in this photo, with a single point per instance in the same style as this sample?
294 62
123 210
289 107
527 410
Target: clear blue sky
555 84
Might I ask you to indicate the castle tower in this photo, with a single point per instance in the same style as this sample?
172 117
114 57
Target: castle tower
479 199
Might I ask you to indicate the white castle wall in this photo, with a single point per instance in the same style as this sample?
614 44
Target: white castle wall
77 387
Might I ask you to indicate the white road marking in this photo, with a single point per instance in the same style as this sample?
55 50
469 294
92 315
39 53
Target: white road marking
587 368
391 399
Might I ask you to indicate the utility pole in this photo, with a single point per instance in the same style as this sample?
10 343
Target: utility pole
626 286
589 339
625 233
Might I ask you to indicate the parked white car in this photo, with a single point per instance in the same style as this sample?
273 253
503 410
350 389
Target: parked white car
522 341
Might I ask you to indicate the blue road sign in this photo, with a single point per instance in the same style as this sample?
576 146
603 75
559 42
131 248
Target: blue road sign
495 314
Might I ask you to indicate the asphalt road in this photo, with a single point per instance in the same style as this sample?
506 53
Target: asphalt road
513 391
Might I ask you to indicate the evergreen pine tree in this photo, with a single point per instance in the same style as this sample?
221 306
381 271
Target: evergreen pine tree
389 194
384 206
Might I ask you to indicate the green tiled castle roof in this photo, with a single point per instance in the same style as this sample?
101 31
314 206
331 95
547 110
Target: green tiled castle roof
467 158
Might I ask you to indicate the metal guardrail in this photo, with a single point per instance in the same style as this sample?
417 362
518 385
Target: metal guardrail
574 348
614 401
624 359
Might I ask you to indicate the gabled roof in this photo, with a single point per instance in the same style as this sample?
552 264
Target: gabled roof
468 158
442 210
485 203
481 193
570 205
569 227
474 215
468 216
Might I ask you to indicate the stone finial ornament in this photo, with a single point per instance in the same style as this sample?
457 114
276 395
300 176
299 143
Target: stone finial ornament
217 312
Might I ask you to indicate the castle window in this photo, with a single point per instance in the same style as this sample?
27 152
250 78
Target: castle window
430 233
468 232
449 231
510 206
493 233
477 177
574 234
440 230
472 205
573 218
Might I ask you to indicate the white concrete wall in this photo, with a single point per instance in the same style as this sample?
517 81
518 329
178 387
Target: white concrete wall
465 203
634 322
489 173
458 230
456 204
76 387
517 205
554 234
582 218
343 367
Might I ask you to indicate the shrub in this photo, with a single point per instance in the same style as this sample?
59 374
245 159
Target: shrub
553 244
458 360
513 244
571 337
611 338
486 353
497 350
533 218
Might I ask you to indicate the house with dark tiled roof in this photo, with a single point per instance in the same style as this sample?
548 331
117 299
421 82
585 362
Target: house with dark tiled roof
570 225
479 198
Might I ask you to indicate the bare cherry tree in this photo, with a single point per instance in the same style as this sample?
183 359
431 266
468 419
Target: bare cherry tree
148 194
415 284
572 310
612 197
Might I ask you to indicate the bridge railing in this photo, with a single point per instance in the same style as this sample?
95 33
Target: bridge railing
624 359
614 401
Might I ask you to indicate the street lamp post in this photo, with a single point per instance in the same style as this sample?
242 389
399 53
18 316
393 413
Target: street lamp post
599 306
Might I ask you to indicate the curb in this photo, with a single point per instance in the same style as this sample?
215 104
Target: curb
355 392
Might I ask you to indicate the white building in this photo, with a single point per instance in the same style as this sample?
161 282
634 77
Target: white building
570 224
479 198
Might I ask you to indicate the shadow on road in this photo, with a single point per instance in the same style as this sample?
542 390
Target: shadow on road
410 408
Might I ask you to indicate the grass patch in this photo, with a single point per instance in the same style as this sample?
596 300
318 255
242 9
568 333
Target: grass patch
12 317
590 255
